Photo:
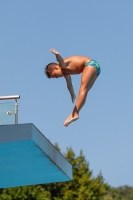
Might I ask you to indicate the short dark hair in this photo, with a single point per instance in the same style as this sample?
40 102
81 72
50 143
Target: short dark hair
49 68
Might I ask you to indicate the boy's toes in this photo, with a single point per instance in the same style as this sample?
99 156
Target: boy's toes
65 123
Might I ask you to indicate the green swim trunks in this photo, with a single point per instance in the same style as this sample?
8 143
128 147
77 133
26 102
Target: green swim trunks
94 64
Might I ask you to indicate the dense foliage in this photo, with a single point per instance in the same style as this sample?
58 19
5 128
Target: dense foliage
120 193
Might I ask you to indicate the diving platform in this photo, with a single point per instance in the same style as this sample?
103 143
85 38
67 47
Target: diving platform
27 157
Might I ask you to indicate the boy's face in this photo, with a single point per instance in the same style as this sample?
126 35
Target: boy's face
56 73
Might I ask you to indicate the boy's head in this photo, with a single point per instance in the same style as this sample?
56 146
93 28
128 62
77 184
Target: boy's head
52 70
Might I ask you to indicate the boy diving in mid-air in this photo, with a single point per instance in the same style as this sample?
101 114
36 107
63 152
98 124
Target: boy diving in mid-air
90 70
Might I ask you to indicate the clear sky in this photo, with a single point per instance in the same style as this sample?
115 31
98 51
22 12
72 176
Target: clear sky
102 30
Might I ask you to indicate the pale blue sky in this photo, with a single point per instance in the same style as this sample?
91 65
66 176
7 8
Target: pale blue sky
102 30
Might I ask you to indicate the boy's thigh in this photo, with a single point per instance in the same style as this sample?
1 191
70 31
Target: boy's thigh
93 81
89 75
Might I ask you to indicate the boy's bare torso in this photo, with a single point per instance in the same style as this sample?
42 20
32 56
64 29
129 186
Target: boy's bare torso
74 65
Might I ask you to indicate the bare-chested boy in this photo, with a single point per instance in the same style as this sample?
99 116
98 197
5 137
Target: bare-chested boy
90 70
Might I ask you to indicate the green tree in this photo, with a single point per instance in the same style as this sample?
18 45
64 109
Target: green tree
83 186
25 193
121 193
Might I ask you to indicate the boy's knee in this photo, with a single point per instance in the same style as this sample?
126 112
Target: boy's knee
83 90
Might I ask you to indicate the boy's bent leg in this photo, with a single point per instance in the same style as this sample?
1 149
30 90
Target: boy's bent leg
89 90
88 78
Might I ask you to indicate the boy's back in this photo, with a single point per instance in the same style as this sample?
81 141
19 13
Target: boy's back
74 64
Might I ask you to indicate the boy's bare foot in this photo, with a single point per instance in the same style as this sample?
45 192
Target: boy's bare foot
71 119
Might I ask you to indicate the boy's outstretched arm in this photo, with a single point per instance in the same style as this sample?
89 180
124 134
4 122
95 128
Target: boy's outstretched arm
58 58
70 87
68 78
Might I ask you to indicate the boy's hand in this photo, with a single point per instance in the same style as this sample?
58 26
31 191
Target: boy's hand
54 51
73 98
